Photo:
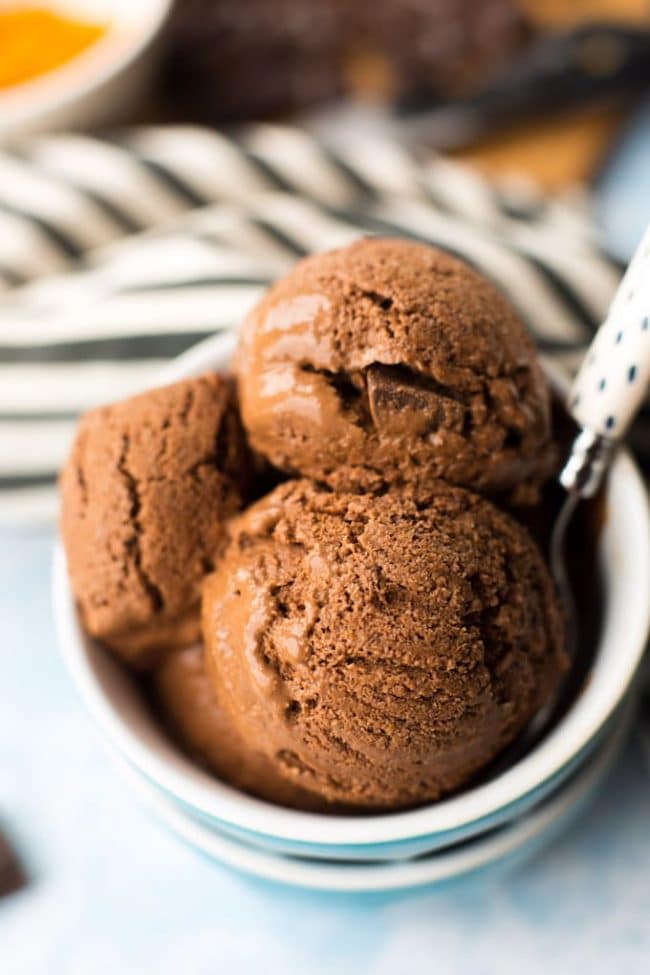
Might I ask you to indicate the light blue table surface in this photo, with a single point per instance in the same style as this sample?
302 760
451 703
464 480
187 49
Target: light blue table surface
622 192
112 892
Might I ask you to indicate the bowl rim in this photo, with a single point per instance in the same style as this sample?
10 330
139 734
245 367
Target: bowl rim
522 836
23 104
195 788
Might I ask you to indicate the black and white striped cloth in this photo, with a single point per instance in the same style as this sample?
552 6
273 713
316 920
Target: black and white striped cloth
118 254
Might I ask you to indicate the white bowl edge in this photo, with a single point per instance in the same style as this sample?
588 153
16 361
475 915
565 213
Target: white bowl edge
525 836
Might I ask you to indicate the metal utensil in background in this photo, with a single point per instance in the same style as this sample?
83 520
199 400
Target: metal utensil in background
590 63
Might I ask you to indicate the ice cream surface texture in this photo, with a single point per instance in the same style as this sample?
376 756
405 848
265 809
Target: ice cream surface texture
390 362
145 494
189 703
380 650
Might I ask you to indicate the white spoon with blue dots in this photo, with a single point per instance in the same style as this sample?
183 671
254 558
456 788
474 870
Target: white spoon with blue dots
613 380
606 395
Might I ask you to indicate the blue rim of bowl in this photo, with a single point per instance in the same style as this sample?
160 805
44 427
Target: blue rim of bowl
505 847
391 849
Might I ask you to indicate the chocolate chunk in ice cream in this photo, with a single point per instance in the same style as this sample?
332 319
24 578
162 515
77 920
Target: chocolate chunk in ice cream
380 650
390 362
145 493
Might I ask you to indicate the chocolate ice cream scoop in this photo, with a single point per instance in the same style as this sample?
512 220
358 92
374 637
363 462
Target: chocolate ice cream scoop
145 494
390 362
189 703
380 650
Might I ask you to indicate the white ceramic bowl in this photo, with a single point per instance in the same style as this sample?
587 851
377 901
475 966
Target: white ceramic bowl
101 83
507 846
116 704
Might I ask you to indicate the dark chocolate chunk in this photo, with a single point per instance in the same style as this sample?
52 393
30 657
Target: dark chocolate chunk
12 875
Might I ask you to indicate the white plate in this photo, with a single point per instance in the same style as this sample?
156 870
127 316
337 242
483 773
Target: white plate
522 838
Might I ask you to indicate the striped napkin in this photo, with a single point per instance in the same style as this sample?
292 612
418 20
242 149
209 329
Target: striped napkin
117 254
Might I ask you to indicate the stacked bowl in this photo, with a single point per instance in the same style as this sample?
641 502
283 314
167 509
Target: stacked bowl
512 810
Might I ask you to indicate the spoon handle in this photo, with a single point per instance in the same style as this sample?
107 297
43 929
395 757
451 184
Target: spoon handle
613 380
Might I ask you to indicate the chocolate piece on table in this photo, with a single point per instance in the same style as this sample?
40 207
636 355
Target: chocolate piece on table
12 875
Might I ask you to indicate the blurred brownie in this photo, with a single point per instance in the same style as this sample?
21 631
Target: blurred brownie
227 61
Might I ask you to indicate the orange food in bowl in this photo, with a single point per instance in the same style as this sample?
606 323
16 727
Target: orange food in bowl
35 40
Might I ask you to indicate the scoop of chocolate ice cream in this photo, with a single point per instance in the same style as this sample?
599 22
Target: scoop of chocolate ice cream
390 362
380 650
189 704
145 494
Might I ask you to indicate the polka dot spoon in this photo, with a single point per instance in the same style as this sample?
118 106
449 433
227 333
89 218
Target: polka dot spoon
605 397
